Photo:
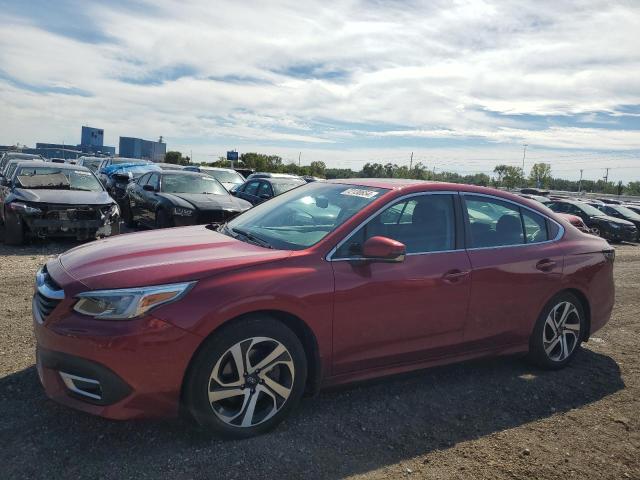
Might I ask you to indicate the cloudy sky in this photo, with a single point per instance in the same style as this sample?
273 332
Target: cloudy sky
462 84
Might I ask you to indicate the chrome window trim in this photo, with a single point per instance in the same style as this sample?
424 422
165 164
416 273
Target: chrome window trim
329 256
560 234
555 239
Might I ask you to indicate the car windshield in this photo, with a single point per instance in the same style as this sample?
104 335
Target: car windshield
589 210
302 217
57 178
92 164
178 183
116 161
225 176
281 186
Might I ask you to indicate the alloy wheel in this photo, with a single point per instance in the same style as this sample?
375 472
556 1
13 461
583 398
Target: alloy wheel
561 332
251 382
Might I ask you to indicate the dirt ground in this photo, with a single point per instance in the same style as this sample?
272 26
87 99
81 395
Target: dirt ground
498 418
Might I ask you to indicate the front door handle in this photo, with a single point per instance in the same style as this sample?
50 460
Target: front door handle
546 265
454 276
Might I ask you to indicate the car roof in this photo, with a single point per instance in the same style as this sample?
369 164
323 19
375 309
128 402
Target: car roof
61 166
180 172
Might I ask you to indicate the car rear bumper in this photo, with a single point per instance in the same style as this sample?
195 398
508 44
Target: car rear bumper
115 369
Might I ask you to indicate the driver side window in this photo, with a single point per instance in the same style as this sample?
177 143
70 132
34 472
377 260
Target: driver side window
423 224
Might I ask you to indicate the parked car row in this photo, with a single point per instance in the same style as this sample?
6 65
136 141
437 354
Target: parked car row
147 194
604 217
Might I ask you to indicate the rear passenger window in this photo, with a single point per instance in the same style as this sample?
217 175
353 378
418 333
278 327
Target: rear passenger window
535 227
493 223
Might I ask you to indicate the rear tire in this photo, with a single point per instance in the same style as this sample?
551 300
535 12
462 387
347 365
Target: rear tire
558 333
13 230
246 378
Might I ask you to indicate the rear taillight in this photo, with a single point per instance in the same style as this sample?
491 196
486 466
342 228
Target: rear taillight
610 255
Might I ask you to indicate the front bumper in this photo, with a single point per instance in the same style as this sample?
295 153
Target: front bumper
115 369
80 229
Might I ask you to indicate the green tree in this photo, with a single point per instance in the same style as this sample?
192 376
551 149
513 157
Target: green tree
176 158
509 176
540 175
317 169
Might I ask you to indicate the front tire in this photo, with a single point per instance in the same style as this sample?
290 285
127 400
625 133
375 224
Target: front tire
558 333
13 230
246 378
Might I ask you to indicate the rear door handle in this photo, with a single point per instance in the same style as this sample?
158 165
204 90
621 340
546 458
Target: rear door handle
454 276
546 265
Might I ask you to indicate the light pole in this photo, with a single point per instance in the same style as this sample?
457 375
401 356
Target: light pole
524 154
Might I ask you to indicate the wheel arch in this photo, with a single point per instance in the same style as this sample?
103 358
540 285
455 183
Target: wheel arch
579 294
298 326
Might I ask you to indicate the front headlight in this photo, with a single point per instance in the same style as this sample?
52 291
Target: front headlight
128 303
182 212
24 208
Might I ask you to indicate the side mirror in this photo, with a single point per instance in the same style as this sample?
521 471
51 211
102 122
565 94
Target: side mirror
383 249
149 188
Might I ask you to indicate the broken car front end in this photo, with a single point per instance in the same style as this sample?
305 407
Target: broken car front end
77 221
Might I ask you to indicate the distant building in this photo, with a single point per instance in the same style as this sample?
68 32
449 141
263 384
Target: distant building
92 137
145 149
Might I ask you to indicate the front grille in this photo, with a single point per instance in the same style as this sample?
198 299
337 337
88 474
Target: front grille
73 214
48 295
45 305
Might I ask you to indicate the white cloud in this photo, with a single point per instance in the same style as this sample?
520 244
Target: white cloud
292 74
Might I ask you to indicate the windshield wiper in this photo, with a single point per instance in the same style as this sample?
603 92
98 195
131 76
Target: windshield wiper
251 238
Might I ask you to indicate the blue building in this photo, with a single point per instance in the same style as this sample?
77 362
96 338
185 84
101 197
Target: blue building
145 149
92 137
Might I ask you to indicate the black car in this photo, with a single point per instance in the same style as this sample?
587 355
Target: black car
257 190
610 228
118 180
621 212
44 199
172 198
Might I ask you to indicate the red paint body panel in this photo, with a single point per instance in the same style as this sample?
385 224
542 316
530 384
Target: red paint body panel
368 319
387 313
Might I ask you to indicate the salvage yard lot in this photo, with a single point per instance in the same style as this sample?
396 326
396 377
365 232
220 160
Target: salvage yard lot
498 418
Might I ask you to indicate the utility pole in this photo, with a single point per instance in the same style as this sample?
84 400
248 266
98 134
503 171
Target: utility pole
411 161
524 154
299 155
606 176
580 182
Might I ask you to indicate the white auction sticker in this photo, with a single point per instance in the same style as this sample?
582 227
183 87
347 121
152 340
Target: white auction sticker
359 192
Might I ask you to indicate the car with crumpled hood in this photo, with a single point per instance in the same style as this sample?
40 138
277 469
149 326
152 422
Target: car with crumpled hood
44 200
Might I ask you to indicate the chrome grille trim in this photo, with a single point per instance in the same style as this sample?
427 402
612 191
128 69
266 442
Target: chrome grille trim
47 295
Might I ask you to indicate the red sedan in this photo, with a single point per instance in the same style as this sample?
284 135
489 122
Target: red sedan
329 283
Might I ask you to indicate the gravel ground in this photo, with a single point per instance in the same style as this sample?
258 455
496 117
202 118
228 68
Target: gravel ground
496 418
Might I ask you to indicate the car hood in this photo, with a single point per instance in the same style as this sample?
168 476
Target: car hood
161 256
67 197
607 218
206 201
